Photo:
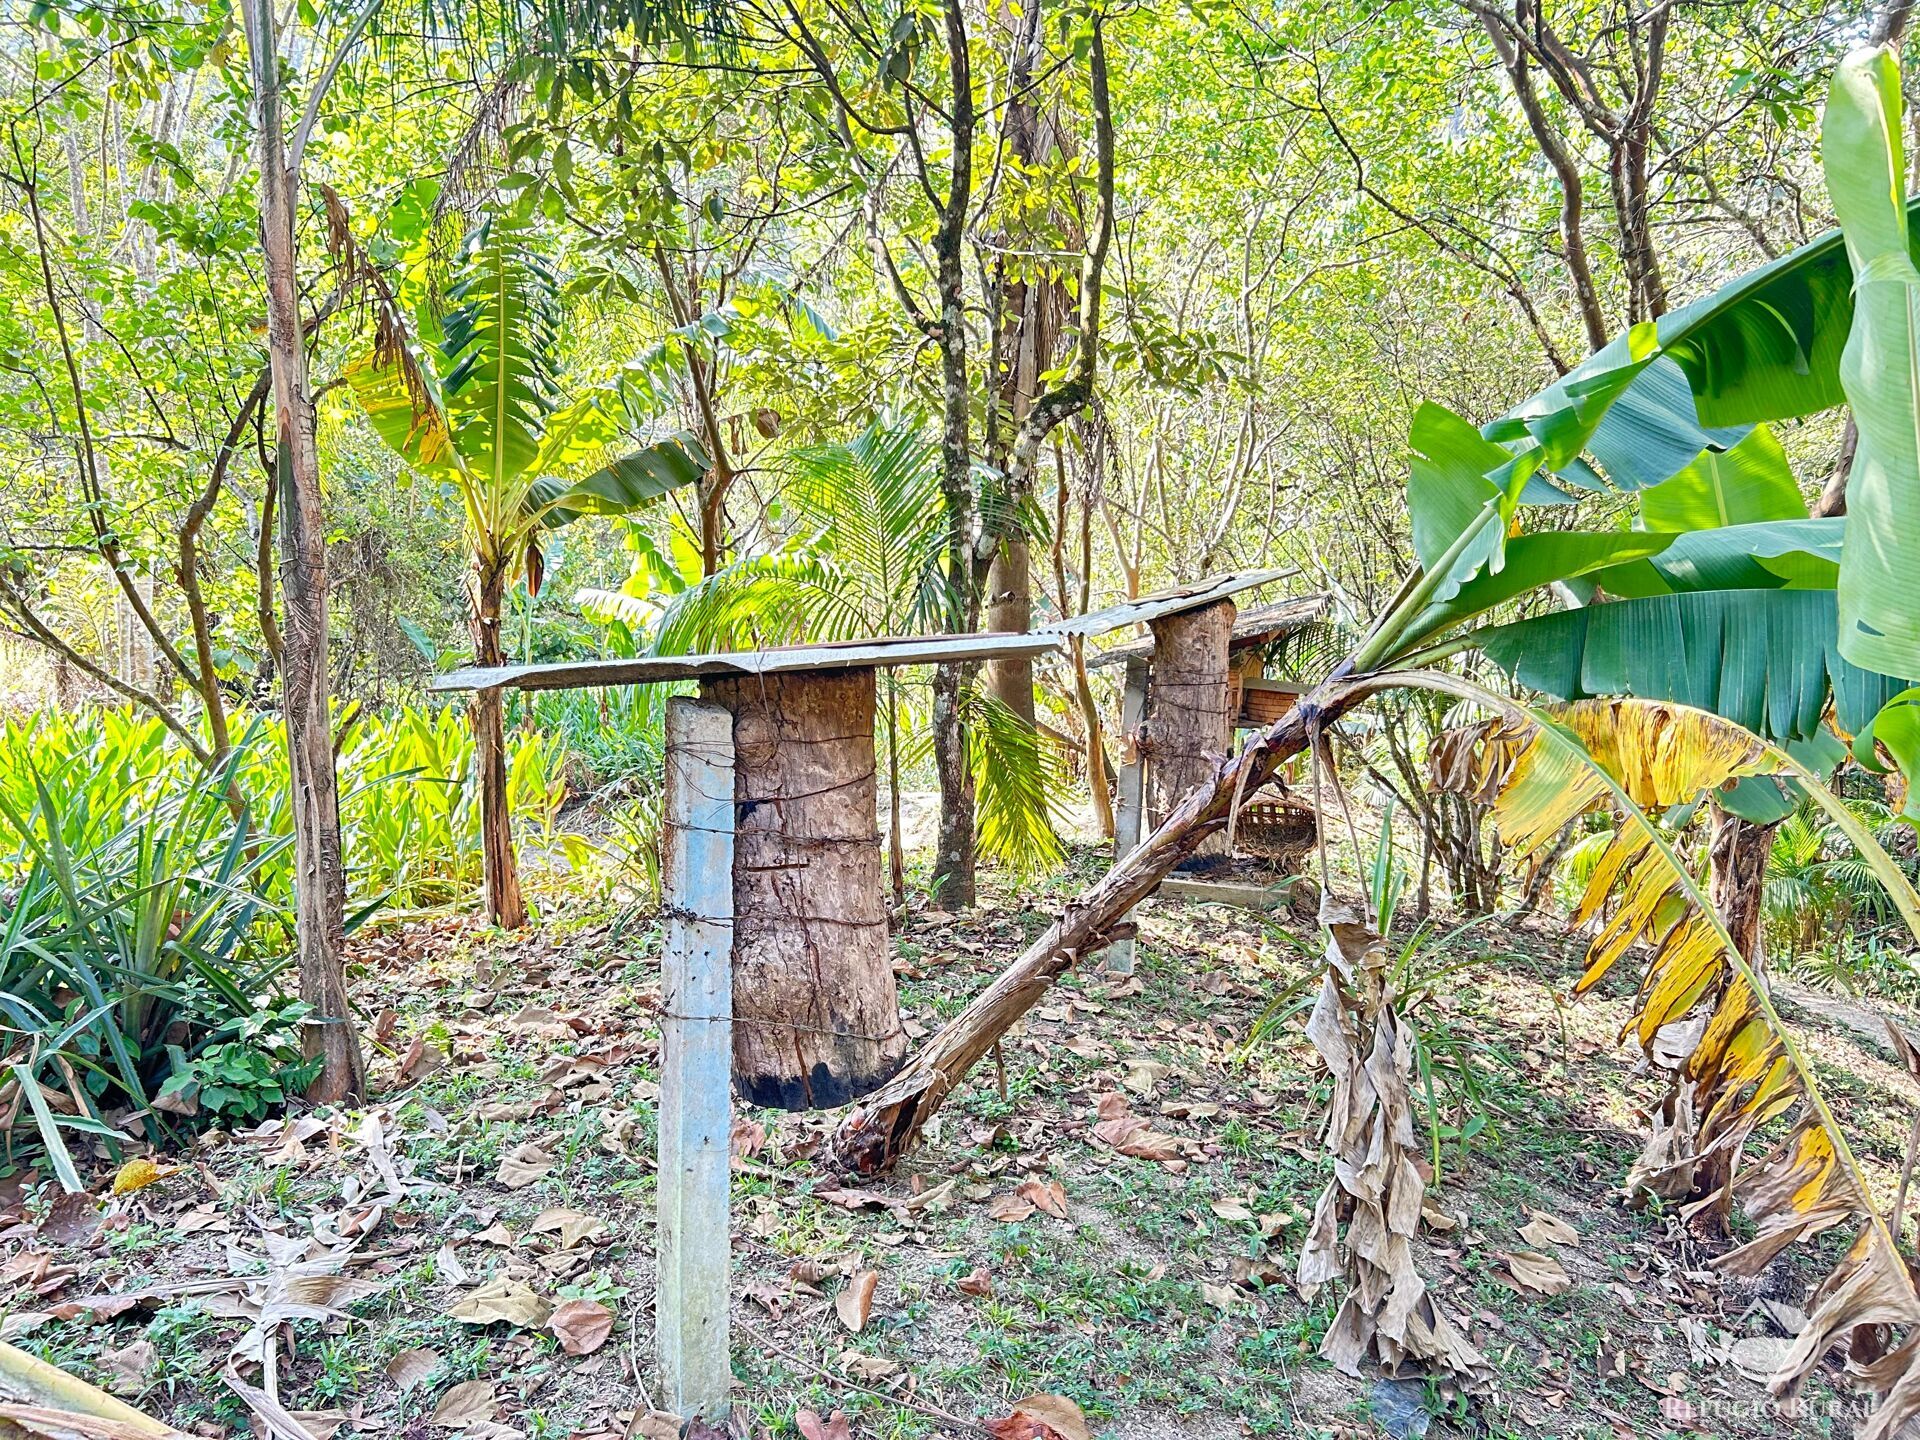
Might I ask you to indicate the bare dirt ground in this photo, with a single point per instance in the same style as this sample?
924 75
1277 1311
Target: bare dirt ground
428 1265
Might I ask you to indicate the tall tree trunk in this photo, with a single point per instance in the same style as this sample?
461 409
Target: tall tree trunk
1028 319
896 843
320 889
505 905
953 861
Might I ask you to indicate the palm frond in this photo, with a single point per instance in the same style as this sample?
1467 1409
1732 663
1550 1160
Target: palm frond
1017 777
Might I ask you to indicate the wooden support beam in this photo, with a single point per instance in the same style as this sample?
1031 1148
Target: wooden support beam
1189 725
816 1008
696 1046
1132 792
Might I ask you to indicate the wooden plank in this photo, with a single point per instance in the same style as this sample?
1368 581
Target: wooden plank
696 1061
1251 627
1231 892
1166 602
842 655
1132 797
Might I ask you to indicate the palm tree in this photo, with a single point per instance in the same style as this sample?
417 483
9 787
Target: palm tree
474 401
869 559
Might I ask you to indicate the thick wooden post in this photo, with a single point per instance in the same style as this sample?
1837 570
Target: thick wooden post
1189 726
696 1046
1131 799
816 1011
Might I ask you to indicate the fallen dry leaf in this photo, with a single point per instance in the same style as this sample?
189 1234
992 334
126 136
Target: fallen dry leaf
977 1283
1010 1208
1126 1132
748 1139
1046 1195
127 1368
139 1173
471 1402
854 1303
523 1165
1545 1229
502 1301
582 1326
413 1367
1042 1417
1437 1219
571 1226
835 1427
1759 1357
1536 1274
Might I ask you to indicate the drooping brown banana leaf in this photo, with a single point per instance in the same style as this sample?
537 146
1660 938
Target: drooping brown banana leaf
1746 1069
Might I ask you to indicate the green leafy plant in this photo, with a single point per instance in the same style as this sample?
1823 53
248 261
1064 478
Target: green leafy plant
248 1066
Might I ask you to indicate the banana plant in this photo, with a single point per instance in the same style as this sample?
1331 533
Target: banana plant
474 401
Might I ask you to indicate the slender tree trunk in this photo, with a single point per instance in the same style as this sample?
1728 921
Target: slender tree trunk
1028 321
320 889
505 905
953 861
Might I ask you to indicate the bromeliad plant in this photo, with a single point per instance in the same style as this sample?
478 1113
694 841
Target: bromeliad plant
472 397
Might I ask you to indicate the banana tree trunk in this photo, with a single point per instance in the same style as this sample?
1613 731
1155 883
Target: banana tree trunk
1737 879
884 1126
500 872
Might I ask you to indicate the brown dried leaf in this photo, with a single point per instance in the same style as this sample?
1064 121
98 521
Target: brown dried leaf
1042 1417
502 1301
1047 1195
854 1303
1536 1274
413 1367
523 1166
572 1227
472 1402
811 1427
1545 1229
1010 1208
748 1139
977 1283
127 1368
582 1326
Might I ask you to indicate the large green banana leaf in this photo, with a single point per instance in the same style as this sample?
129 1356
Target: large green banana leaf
1765 659
1766 555
625 484
1866 167
1748 483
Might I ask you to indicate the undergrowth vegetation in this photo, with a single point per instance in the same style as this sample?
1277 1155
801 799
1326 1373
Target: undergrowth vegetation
148 899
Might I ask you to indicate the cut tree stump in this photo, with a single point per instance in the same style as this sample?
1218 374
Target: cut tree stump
816 1014
1189 724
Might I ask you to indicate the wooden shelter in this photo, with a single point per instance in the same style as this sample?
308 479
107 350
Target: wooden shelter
776 977
1199 675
